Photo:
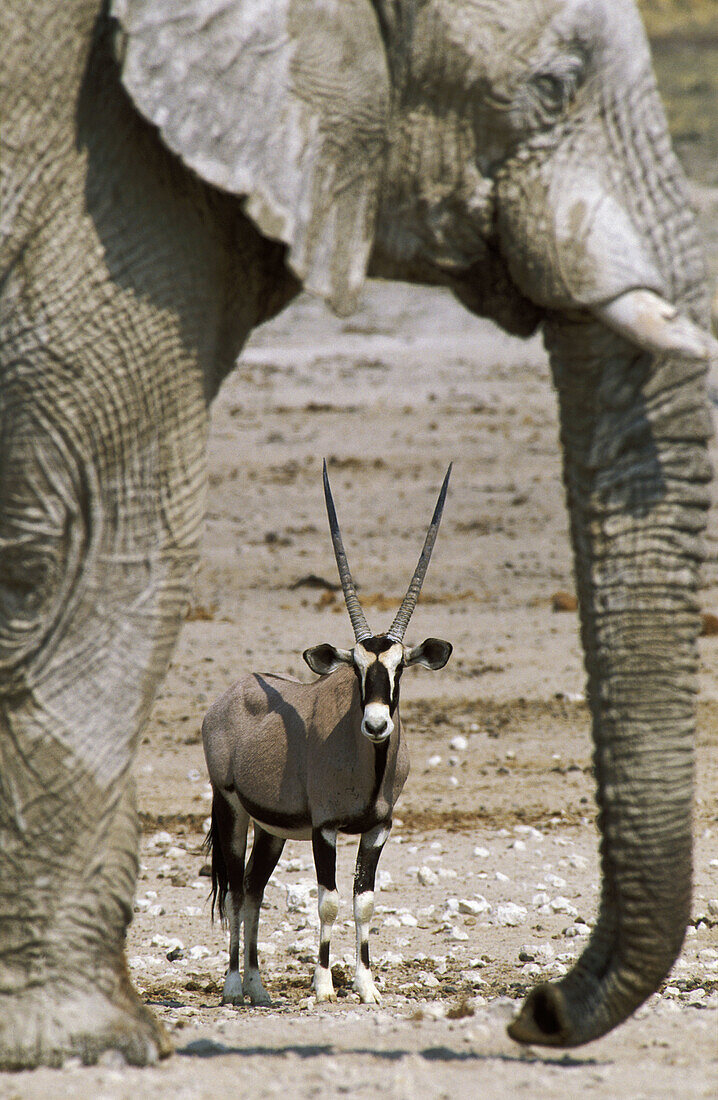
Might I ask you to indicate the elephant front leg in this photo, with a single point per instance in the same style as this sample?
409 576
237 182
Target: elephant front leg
324 845
370 848
90 605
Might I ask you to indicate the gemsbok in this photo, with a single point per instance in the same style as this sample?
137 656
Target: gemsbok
306 761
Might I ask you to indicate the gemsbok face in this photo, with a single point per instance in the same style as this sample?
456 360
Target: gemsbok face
378 660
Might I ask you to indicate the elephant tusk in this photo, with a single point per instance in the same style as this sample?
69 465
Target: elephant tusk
655 325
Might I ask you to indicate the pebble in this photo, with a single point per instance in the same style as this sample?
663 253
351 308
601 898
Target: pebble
519 845
459 743
458 934
563 905
510 914
482 853
300 895
427 877
473 977
473 907
501 877
433 761
191 911
383 879
199 951
536 952
159 840
555 880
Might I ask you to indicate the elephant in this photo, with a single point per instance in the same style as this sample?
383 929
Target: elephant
174 175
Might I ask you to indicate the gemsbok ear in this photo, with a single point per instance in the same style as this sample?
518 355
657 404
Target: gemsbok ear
325 658
431 653
283 102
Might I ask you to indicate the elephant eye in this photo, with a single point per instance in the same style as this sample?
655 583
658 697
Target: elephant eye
552 91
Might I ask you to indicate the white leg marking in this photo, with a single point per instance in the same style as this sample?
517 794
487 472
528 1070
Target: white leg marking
328 905
363 981
233 994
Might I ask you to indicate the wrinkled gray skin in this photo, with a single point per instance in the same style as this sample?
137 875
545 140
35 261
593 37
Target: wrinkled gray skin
514 151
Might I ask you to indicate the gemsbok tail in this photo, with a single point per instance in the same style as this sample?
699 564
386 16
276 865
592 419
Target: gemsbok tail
220 879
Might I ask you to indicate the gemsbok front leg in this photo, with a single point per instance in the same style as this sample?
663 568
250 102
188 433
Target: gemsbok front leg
370 848
324 845
266 851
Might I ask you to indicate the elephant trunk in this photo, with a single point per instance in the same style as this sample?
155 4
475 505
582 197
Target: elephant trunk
636 475
634 428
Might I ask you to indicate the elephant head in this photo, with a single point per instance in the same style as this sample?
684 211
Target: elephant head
175 174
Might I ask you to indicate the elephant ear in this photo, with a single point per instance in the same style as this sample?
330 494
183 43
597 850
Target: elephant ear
284 102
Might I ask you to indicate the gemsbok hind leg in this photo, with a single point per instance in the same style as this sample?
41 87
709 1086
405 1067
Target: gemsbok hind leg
370 848
266 850
324 846
229 844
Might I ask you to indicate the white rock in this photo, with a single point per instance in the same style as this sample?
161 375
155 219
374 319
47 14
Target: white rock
555 880
452 905
300 895
459 743
501 877
433 761
536 952
383 879
159 840
390 958
468 905
168 942
427 877
448 872
408 920
712 903
481 853
199 951
191 911
563 905
519 845
392 922
175 852
510 914
575 860
531 970
458 934
424 977
473 977
155 910
453 781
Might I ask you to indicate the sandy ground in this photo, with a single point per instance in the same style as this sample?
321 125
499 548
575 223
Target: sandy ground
490 877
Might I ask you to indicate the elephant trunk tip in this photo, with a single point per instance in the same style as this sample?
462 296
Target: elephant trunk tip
544 1019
